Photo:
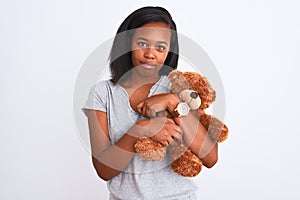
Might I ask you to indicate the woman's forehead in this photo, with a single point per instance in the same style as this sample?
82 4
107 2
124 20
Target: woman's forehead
153 33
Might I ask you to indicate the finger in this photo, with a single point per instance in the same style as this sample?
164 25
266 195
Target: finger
170 120
140 106
152 113
179 130
175 134
170 140
164 142
156 110
177 137
176 129
146 111
161 113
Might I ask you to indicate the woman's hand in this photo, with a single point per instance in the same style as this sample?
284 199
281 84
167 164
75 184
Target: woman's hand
156 105
167 133
160 129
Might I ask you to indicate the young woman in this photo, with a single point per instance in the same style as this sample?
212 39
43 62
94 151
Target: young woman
144 51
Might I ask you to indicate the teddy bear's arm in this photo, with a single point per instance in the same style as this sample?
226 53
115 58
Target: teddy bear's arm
217 130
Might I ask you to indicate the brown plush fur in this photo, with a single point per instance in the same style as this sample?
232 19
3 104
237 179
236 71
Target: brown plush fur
184 162
149 149
180 81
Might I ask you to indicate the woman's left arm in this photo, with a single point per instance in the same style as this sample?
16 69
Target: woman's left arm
194 133
196 138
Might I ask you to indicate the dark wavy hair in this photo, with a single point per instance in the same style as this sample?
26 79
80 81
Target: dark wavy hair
120 56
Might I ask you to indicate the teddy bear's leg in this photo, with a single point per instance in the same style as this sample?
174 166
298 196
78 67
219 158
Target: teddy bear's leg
187 165
184 162
149 149
217 130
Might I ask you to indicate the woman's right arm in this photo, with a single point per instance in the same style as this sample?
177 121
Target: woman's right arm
110 159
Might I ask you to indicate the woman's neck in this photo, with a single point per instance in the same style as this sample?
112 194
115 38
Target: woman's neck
134 81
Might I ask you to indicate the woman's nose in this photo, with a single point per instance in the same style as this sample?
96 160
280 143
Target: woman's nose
149 53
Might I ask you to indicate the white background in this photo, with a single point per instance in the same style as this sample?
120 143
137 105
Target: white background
253 44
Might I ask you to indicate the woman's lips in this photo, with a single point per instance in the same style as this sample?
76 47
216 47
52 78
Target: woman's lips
148 65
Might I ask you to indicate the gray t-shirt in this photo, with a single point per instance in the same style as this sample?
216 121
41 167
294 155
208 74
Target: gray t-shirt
141 180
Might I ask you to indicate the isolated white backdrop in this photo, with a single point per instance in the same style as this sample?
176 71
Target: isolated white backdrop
253 44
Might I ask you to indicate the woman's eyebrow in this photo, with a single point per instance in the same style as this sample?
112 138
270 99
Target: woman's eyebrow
141 38
160 42
163 42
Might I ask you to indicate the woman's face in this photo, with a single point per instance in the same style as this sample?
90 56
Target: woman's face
150 47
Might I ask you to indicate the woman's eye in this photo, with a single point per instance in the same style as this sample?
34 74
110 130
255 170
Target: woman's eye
142 44
161 48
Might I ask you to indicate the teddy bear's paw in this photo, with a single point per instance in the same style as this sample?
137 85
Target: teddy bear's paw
224 134
149 149
188 165
217 130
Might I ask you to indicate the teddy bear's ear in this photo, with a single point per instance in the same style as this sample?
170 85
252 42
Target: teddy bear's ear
200 84
178 82
174 75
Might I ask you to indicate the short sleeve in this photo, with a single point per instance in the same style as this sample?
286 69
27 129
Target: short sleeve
97 98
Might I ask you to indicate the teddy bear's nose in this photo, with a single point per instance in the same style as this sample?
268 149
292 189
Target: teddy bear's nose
194 95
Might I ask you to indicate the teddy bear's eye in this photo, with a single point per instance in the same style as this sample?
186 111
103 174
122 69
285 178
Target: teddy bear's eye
194 95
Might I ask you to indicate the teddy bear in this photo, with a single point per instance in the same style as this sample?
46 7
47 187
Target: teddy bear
195 90
181 81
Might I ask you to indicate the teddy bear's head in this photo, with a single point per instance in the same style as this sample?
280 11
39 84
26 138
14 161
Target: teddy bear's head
181 81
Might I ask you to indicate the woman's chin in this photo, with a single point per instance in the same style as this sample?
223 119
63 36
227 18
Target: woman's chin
147 71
